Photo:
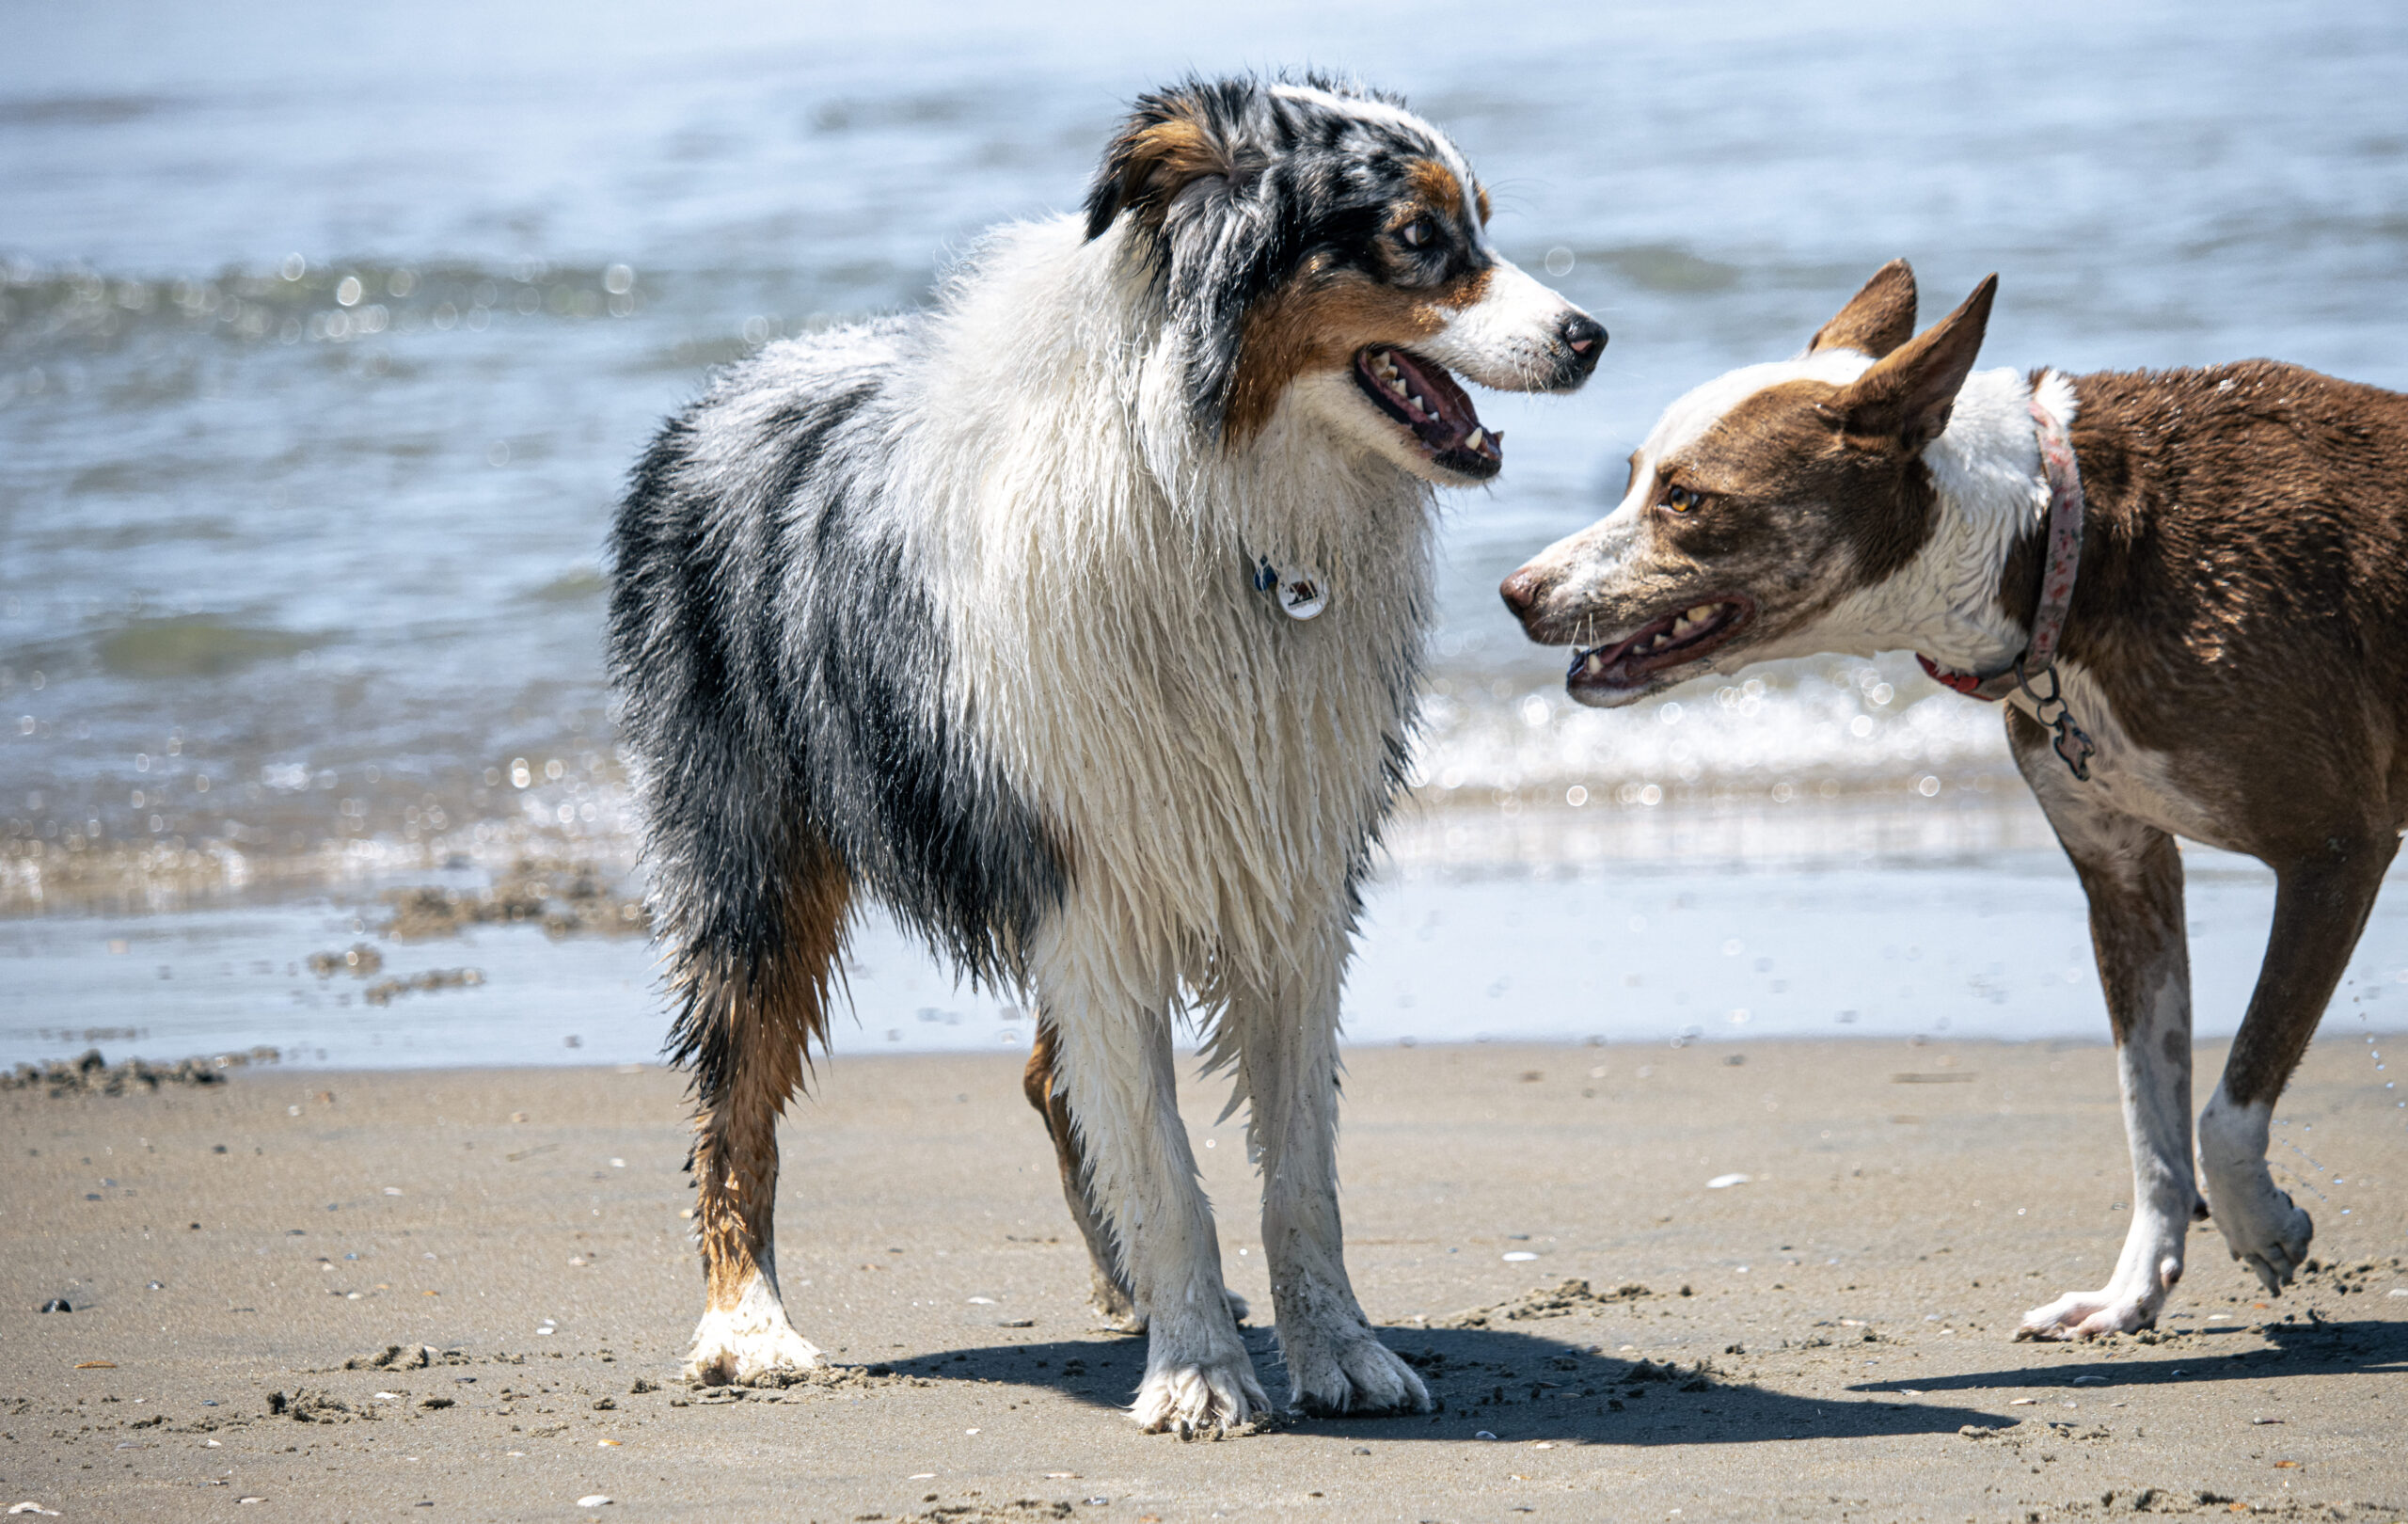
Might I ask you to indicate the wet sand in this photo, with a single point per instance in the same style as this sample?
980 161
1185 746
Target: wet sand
1832 1337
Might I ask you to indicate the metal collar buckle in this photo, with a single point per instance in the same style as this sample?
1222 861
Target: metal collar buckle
2072 744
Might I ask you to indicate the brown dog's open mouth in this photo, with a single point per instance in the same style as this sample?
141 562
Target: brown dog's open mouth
1667 641
1423 396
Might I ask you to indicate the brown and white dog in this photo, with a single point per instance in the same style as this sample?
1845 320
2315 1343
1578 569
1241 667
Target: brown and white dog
2233 665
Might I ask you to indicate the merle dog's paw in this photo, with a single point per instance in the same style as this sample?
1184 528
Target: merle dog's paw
1349 1372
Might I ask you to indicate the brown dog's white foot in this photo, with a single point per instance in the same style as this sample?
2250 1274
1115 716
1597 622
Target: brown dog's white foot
2109 1311
2263 1226
2146 1273
742 1344
1349 1372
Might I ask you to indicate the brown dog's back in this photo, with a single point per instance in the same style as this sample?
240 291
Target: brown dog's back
2244 591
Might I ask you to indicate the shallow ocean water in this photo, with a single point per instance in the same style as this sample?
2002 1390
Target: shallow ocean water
1715 950
328 333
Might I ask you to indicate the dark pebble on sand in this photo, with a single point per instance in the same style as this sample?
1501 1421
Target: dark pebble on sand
56 1304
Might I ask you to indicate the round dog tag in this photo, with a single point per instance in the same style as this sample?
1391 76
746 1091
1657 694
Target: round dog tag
1302 592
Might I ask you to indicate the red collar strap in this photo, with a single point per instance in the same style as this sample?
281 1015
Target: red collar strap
2040 658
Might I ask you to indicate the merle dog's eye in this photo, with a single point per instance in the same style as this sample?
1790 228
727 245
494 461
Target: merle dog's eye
1681 499
1414 234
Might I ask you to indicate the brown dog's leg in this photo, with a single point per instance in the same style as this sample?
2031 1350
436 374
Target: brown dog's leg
2321 907
2133 877
744 1031
1041 1085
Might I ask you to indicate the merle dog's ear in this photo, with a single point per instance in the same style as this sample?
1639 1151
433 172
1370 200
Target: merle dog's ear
1907 395
1877 319
1167 144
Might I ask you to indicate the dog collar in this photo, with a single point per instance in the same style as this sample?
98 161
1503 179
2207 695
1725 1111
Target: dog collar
2040 658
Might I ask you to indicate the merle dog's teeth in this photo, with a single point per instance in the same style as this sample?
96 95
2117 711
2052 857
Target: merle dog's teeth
1594 665
1475 439
1701 612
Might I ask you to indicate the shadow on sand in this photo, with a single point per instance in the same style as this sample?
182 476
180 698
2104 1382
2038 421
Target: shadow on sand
2316 1347
1511 1385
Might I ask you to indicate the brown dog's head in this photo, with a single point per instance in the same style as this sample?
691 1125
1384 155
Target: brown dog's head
1760 501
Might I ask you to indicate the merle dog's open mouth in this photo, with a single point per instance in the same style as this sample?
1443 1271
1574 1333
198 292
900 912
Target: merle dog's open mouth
1423 396
1667 641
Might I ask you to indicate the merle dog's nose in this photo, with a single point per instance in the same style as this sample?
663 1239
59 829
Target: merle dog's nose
1586 337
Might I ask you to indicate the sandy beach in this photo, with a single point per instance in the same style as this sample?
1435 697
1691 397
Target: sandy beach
1611 1334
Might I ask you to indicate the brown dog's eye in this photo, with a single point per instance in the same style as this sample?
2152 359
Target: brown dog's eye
1414 234
1680 500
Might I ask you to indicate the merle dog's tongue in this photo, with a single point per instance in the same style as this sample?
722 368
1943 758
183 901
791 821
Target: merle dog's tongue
1456 418
1435 408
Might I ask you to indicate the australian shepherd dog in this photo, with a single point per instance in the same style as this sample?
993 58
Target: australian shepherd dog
1077 621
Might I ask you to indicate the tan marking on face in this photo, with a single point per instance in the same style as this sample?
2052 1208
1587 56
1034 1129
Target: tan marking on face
1437 185
1316 322
1157 160
1465 291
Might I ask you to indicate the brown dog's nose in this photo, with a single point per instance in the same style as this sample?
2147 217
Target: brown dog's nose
1522 592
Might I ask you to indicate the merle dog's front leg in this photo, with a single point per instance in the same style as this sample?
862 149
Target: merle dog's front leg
2134 875
1109 1004
1287 1035
1108 1282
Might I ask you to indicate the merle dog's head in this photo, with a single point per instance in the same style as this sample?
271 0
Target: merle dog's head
1324 259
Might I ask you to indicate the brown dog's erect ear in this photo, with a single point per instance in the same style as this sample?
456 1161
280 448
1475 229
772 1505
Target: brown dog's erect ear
1877 319
1167 144
1907 396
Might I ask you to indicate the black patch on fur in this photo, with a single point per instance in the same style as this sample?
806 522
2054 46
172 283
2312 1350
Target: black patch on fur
784 689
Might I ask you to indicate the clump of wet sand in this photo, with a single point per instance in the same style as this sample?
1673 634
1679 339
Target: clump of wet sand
563 897
383 991
92 1074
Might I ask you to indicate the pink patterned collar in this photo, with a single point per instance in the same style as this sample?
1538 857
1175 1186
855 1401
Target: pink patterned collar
2038 662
